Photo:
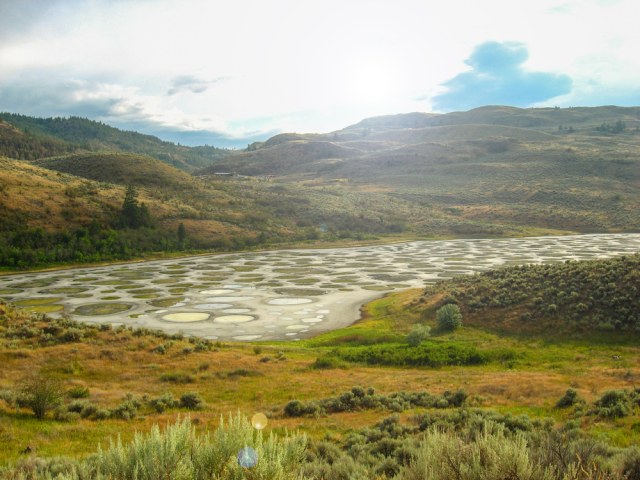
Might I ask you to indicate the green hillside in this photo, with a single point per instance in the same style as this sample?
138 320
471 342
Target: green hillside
30 138
573 297
119 168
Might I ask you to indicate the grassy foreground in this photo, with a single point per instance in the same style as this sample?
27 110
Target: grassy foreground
363 418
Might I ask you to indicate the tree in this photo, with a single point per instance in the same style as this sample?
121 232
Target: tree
449 317
182 234
418 334
133 214
40 393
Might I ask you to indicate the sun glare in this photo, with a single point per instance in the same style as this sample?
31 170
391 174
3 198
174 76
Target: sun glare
371 82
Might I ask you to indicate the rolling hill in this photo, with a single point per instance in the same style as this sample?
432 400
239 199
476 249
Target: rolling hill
492 171
29 138
119 168
583 297
571 169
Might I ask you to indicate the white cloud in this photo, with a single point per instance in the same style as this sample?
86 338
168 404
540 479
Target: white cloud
237 66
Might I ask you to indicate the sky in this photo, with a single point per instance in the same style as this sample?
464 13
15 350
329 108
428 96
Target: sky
229 72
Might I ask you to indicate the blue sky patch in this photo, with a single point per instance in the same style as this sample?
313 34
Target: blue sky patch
498 78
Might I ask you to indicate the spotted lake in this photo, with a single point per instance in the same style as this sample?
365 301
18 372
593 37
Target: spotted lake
282 294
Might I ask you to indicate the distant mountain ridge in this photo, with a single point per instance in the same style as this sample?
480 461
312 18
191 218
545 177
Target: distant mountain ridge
29 138
540 118
566 168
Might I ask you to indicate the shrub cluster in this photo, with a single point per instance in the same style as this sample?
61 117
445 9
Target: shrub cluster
469 445
426 354
360 399
595 294
461 444
612 403
28 329
178 452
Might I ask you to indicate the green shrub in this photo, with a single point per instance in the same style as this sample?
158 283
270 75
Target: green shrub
427 354
326 362
613 404
418 334
62 414
163 403
449 317
191 401
9 396
40 393
180 452
89 410
569 399
126 410
491 455
72 335
177 377
360 399
78 392
77 406
630 467
295 408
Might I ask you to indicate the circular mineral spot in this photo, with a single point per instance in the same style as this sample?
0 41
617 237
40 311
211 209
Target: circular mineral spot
9 291
166 302
85 279
31 302
65 290
219 291
148 296
91 309
212 306
296 327
50 308
259 421
178 290
311 320
247 457
246 338
237 310
142 291
128 286
301 291
233 319
186 317
34 283
229 299
379 288
289 301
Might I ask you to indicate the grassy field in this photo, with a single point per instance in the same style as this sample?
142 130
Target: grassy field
521 375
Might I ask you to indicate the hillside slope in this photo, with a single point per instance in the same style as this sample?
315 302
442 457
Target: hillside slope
119 168
579 297
30 138
572 169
